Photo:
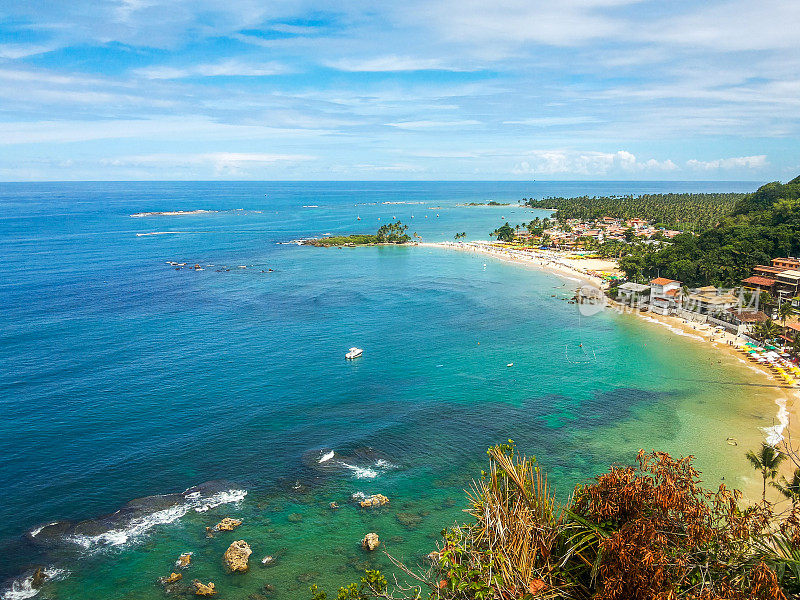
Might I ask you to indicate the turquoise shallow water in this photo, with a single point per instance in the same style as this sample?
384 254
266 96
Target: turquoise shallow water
125 378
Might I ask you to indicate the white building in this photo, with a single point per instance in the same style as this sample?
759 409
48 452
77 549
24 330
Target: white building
664 294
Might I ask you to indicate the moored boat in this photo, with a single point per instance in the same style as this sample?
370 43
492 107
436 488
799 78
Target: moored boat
354 353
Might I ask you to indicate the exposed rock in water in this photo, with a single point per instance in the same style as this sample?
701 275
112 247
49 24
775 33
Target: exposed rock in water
373 501
227 524
201 589
172 578
184 560
333 506
236 557
268 561
38 578
370 542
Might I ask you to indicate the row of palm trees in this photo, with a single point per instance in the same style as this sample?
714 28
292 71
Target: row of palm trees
767 461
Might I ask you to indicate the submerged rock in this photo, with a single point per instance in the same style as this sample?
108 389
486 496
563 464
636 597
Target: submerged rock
370 542
227 524
201 589
295 517
408 519
236 557
374 501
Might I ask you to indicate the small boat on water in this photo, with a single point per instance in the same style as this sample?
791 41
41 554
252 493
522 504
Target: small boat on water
354 353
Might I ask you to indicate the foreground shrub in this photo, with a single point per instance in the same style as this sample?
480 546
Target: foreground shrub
648 531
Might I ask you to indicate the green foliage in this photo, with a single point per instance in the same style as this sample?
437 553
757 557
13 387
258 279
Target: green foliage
687 212
766 461
393 233
762 226
372 585
460 236
504 233
649 530
344 240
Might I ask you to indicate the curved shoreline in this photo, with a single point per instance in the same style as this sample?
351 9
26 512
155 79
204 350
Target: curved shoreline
787 399
537 259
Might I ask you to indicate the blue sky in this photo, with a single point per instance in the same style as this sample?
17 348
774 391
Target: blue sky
466 89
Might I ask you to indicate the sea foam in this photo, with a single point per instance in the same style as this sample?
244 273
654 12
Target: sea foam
22 588
137 527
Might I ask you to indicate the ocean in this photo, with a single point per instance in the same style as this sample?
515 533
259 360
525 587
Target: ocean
184 395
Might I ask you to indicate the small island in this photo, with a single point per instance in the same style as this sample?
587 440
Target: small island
489 203
391 233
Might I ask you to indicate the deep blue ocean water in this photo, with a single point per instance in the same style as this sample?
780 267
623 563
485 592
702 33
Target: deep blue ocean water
123 376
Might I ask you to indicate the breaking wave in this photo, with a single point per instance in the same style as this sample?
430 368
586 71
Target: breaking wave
136 518
23 587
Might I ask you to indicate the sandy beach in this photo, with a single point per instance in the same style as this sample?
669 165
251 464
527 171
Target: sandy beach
582 269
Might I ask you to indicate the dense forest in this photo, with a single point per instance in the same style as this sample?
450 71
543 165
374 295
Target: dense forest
687 212
759 227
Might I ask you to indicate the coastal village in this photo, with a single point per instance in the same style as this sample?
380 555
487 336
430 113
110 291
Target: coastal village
577 233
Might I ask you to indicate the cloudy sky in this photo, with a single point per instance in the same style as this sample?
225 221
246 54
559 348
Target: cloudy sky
418 89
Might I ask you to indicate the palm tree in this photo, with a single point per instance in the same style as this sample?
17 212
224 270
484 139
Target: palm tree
785 311
766 461
768 330
790 489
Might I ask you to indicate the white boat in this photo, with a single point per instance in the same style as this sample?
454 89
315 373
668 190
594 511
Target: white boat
354 353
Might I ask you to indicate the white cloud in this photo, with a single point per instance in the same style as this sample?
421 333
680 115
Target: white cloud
225 164
391 63
434 124
227 68
15 51
737 162
553 121
564 23
184 128
570 162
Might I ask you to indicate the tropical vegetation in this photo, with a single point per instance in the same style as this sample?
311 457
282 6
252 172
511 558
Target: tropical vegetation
687 212
391 233
640 532
504 233
761 226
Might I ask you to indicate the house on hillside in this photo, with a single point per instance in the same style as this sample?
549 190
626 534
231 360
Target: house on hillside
787 284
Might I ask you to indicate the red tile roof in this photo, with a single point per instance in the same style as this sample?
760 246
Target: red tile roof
663 281
762 281
671 293
748 316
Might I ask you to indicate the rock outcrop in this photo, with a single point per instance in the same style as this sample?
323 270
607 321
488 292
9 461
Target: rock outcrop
370 542
374 501
184 560
236 557
201 589
170 579
38 578
227 524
